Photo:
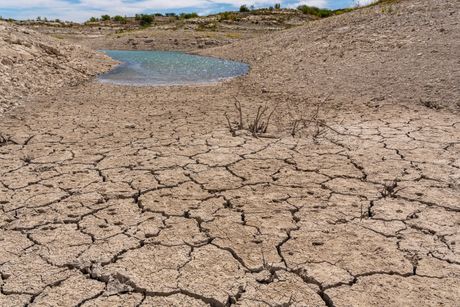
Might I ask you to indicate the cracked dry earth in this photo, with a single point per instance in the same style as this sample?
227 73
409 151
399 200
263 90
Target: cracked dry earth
119 196
128 205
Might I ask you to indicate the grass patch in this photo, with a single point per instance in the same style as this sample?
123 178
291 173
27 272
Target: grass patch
207 27
228 16
233 35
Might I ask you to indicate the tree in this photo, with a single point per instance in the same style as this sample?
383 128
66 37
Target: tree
93 19
244 8
278 6
105 17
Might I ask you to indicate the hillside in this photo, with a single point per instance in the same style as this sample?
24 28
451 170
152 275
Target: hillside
33 63
174 32
405 53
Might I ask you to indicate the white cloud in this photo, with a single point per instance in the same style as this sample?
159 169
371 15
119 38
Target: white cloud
317 3
364 2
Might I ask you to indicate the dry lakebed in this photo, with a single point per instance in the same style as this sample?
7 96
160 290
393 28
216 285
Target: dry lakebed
327 174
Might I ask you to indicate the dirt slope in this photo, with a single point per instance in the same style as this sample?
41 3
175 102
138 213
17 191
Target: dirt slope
404 52
32 63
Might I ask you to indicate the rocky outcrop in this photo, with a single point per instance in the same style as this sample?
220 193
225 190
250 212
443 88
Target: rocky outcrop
32 63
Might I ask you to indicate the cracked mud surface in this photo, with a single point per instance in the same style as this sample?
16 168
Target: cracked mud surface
175 211
119 196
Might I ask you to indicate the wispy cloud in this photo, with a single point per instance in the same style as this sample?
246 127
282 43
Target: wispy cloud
80 10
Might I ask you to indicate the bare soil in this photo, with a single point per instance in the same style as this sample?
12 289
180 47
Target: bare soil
141 196
171 33
31 63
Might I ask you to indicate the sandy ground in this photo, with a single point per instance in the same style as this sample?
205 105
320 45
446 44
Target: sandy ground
138 196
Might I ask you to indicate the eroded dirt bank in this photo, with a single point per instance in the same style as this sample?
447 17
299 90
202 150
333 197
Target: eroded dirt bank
119 196
32 63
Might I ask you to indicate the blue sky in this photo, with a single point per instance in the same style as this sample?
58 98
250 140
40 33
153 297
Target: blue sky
81 10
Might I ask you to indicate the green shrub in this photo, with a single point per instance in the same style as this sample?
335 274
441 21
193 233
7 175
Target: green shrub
105 17
188 15
278 6
244 9
145 20
312 10
119 19
93 19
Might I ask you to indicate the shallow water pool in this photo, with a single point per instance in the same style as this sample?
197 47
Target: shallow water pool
169 68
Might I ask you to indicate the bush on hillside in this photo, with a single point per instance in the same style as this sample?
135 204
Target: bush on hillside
244 9
315 11
145 20
120 19
105 17
188 15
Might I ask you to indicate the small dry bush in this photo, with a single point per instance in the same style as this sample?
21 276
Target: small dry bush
4 139
295 118
257 125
